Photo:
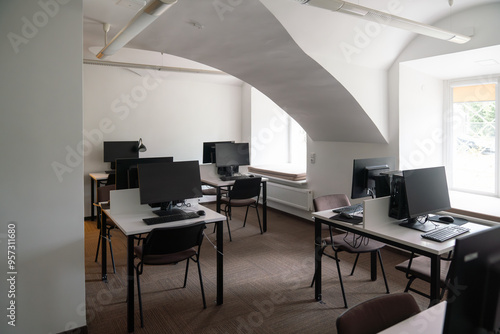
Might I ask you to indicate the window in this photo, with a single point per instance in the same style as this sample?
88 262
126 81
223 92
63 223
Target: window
472 139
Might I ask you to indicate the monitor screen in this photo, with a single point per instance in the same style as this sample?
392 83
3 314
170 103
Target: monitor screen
426 191
367 179
209 151
126 176
473 301
232 154
119 150
169 182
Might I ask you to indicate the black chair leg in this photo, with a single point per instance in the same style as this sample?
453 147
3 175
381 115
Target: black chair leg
140 299
111 252
258 219
246 214
354 265
383 271
228 229
201 284
186 274
340 279
98 245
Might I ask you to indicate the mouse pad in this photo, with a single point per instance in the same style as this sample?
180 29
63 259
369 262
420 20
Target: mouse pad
457 221
354 220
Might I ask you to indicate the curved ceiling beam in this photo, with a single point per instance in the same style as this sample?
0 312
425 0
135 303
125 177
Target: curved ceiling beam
248 42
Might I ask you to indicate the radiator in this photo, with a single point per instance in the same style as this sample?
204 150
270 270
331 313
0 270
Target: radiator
299 198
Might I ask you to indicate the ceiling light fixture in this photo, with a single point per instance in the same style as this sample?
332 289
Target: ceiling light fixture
387 19
140 21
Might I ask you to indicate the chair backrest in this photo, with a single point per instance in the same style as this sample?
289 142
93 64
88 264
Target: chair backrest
168 240
330 202
111 179
245 188
103 193
377 314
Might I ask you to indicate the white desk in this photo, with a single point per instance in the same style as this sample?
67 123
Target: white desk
209 176
126 212
96 179
429 321
378 226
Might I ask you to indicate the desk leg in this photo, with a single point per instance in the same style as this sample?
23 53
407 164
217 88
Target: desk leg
220 263
373 266
130 283
104 249
435 279
92 199
317 260
264 206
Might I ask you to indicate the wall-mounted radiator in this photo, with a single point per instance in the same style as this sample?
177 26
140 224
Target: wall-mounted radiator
299 198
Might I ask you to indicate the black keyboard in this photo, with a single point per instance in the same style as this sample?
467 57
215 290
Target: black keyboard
170 218
234 177
356 208
445 233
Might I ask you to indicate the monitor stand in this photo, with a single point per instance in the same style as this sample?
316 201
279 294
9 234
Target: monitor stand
416 225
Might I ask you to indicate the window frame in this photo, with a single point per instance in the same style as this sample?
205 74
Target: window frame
449 135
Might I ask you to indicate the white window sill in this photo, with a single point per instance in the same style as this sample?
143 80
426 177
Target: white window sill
484 207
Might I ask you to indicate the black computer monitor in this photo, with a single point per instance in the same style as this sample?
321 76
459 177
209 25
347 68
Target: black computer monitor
126 176
473 301
167 183
119 150
229 156
209 151
368 178
426 192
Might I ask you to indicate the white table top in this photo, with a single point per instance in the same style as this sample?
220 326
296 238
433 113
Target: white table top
376 222
429 321
132 223
127 213
99 175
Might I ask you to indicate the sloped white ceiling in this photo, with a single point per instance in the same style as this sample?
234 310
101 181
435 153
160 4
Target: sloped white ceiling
245 39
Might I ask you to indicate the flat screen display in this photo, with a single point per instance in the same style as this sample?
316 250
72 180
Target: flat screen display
119 150
366 178
426 191
126 170
170 181
232 154
209 151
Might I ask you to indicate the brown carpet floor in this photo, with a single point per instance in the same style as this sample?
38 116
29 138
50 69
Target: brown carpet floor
266 283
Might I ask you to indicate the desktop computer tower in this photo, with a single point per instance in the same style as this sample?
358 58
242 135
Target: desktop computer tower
398 207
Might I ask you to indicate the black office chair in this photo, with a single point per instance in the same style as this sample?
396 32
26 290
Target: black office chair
419 267
170 245
377 314
102 200
348 242
243 193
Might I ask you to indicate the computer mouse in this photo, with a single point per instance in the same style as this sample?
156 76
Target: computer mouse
446 219
346 215
200 212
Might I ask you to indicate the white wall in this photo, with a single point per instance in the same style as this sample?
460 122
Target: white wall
413 93
173 113
420 119
41 116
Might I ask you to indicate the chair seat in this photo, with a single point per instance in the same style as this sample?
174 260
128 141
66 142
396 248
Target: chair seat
348 245
421 268
165 258
239 202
